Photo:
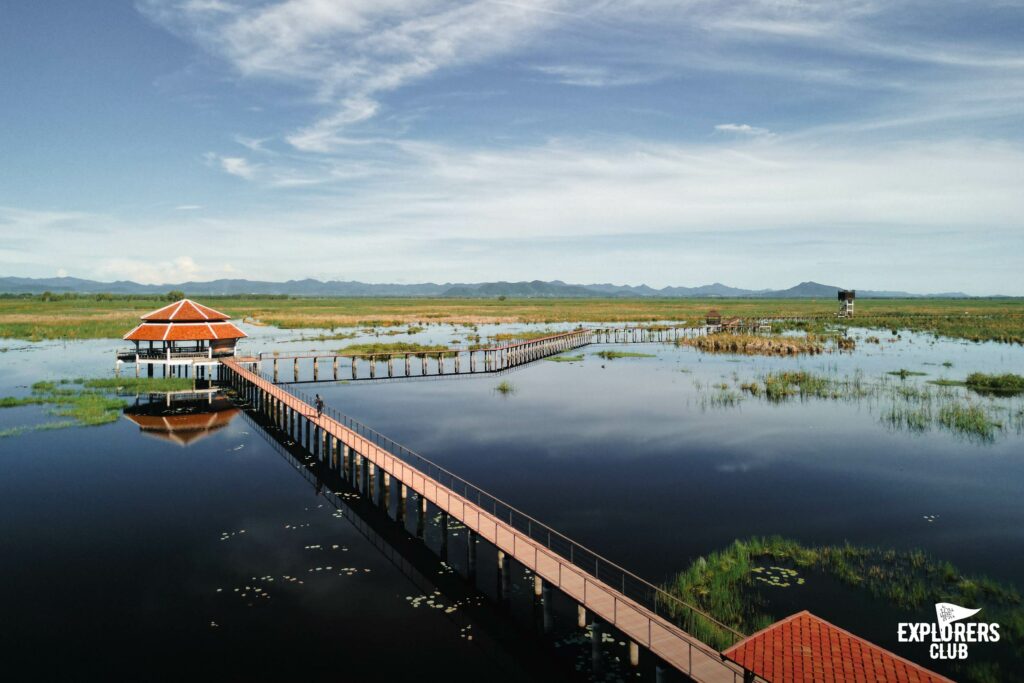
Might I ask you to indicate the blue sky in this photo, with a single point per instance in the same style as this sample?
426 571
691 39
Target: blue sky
875 145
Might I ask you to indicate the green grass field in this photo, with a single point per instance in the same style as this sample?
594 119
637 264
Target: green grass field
33 319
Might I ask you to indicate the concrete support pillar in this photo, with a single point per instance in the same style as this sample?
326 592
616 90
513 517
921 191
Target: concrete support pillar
421 516
403 500
456 362
634 654
408 365
504 577
471 541
444 536
423 362
295 370
547 619
316 368
275 371
354 372
595 645
364 464
581 616
373 366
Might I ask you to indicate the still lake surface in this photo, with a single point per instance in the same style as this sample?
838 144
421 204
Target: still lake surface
124 552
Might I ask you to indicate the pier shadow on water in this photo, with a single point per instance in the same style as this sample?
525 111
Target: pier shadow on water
492 601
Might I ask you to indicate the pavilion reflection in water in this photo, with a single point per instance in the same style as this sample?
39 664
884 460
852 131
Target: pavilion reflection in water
183 422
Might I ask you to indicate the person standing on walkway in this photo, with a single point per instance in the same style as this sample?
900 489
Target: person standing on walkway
319 403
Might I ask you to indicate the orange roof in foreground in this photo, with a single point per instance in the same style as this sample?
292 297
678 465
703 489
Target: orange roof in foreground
185 310
184 332
804 647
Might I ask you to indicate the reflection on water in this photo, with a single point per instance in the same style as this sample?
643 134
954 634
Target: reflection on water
181 422
106 541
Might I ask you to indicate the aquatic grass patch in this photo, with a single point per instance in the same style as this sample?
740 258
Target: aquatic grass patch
137 385
903 405
724 583
1007 383
903 373
971 419
505 388
913 419
755 345
527 335
565 358
387 348
782 385
612 355
86 401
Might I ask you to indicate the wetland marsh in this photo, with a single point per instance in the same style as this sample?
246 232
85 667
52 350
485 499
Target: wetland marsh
655 455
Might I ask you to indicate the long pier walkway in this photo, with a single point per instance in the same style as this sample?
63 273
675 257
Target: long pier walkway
456 361
649 616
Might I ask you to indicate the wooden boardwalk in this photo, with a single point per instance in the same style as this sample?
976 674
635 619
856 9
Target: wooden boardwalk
640 610
466 361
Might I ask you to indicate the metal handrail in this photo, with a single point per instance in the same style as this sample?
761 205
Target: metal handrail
694 620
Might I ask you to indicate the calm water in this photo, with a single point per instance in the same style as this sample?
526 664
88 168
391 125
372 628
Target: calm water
124 549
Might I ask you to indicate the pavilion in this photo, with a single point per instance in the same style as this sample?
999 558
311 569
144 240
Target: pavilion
182 334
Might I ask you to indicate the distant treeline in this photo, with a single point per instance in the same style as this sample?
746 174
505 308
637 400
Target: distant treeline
173 295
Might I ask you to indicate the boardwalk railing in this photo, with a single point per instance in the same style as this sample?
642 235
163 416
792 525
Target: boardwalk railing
473 360
699 626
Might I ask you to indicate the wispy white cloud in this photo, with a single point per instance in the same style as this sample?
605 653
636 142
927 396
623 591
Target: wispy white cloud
350 53
743 129
595 76
188 207
236 166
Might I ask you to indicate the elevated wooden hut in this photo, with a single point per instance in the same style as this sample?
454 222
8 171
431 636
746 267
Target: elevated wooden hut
184 333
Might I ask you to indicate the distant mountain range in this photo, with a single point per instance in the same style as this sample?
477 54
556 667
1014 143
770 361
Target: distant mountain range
534 289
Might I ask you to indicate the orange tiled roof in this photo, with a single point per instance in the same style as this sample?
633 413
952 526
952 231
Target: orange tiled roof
804 647
184 332
185 310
